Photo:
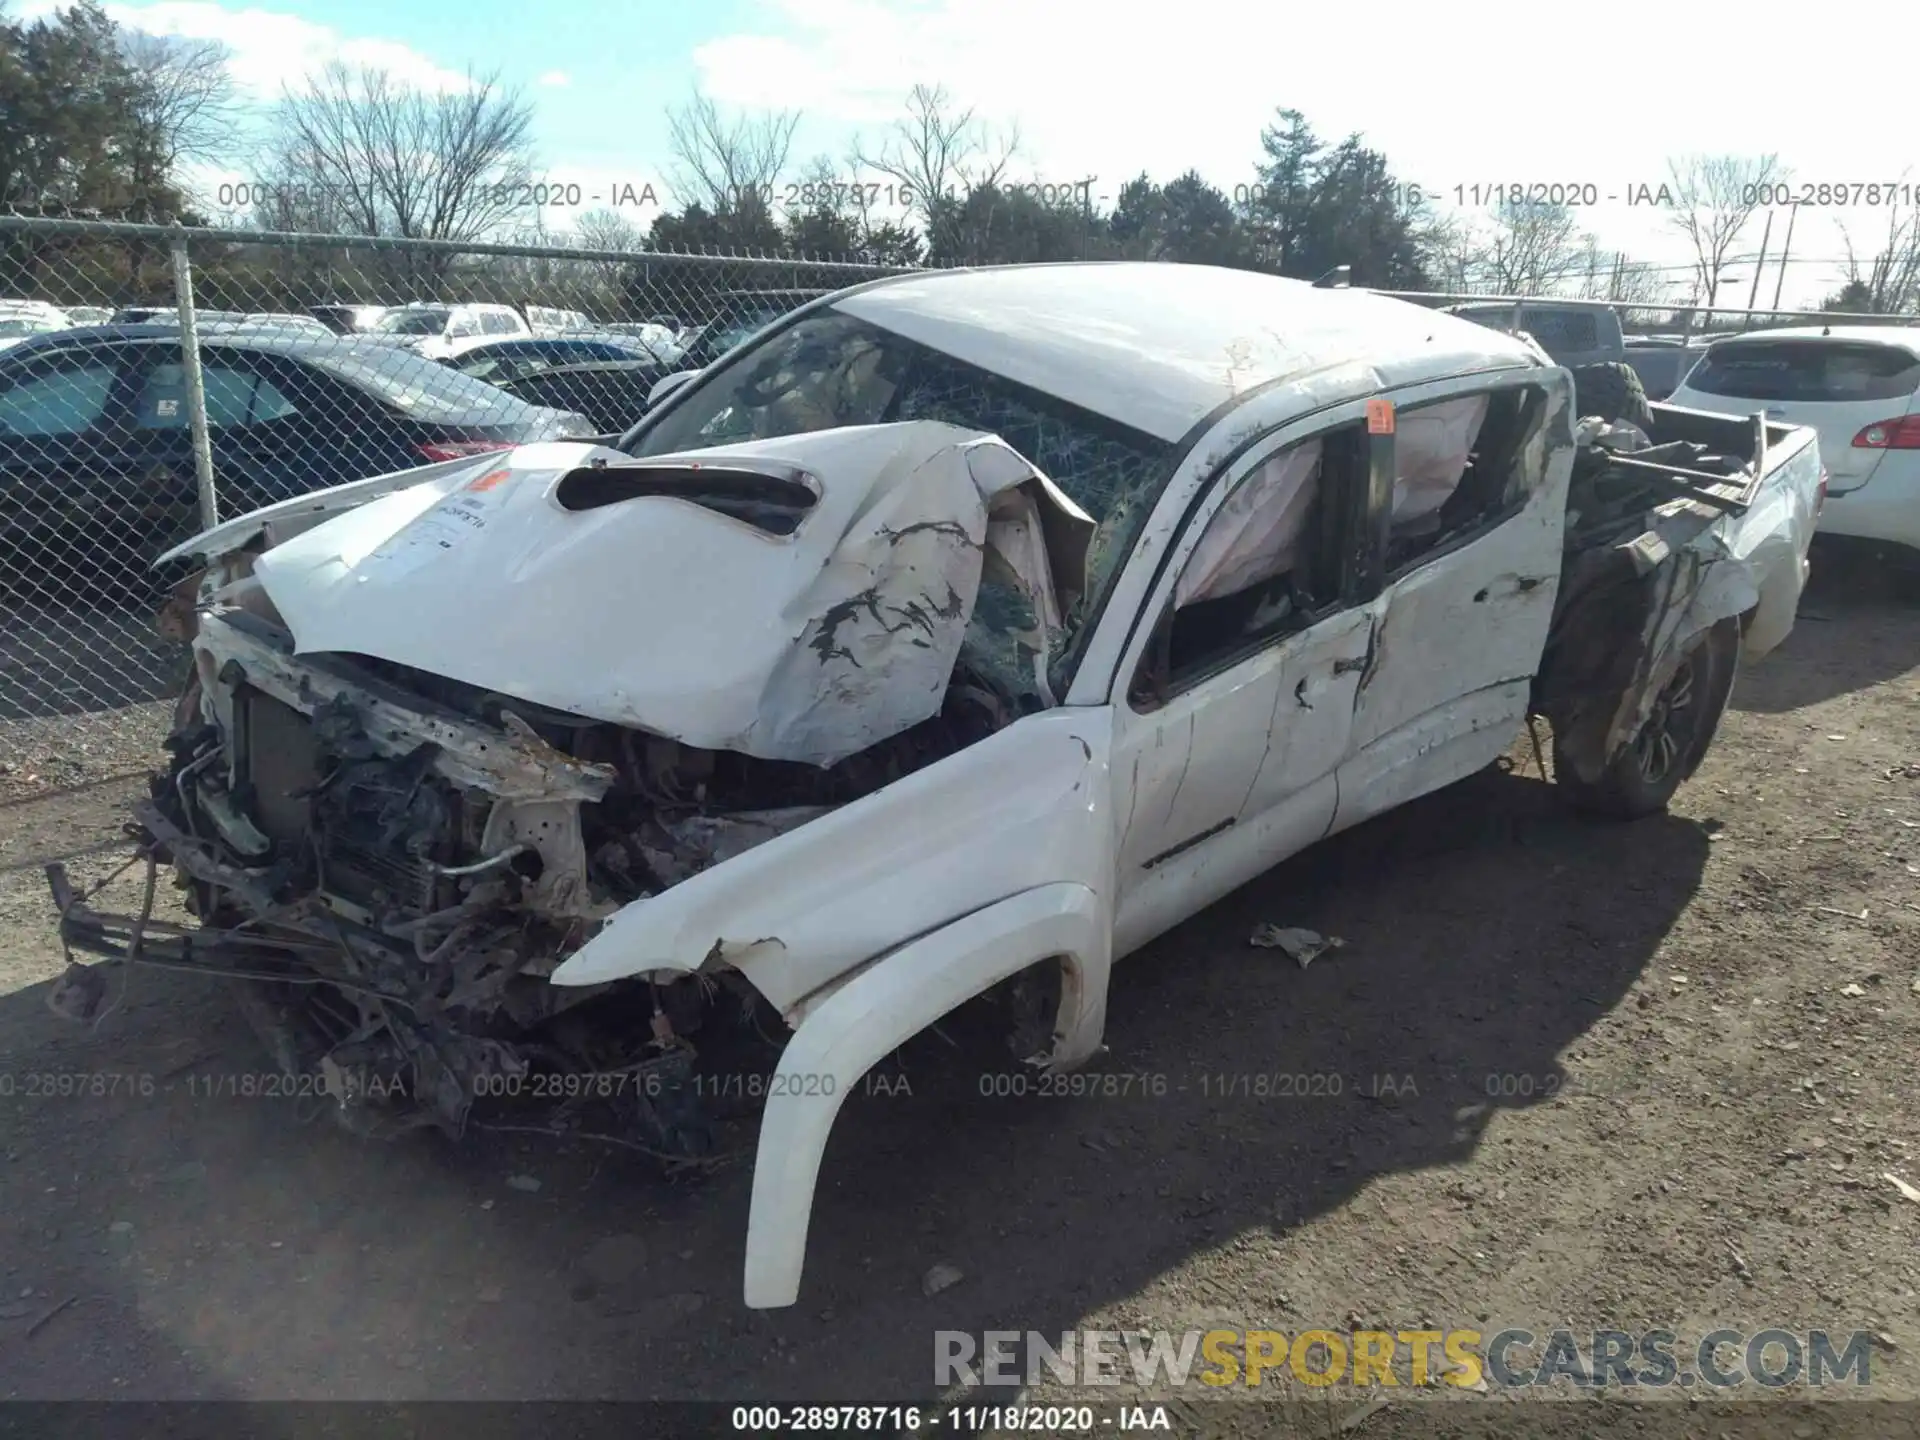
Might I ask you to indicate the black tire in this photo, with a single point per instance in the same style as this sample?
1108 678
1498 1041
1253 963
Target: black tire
1658 760
1613 392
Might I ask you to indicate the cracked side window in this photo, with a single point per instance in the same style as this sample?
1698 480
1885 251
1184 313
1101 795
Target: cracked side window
1462 465
1266 565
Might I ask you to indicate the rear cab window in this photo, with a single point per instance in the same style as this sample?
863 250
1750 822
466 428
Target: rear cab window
1811 370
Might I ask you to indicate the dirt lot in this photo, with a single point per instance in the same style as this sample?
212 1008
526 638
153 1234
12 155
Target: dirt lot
1649 1075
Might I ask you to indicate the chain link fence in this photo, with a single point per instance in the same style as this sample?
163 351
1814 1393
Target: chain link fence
238 368
241 368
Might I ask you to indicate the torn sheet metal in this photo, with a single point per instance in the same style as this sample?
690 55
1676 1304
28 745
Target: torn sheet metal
1704 583
286 518
662 613
512 764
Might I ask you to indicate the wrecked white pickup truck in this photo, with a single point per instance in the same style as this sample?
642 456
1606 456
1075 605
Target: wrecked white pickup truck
955 636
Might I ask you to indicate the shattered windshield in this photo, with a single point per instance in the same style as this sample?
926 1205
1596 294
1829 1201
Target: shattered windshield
830 370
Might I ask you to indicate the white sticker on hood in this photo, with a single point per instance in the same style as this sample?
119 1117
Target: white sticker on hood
465 512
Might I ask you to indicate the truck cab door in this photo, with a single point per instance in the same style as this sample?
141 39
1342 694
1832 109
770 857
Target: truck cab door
1473 534
1234 704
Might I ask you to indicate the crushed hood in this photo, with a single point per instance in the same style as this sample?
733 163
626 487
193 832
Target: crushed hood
794 599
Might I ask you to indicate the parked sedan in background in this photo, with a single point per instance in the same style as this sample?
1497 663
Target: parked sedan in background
348 319
433 330
660 338
546 320
498 361
605 378
96 457
1662 361
169 315
20 319
1856 386
612 394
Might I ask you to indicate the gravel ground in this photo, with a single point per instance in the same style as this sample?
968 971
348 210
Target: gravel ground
81 696
1646 1075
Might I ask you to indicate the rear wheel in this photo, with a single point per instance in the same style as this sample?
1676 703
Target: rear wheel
1673 740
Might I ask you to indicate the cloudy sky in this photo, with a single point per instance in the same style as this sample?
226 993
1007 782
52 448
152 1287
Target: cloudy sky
1499 93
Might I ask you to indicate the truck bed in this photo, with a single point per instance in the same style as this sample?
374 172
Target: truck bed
1710 522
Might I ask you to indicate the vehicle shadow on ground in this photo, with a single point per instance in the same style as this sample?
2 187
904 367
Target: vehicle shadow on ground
1485 930
61 660
1853 631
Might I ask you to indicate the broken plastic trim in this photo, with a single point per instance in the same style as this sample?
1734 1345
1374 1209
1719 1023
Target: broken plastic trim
774 500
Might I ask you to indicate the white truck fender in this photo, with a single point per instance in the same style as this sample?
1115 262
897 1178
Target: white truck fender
879 1009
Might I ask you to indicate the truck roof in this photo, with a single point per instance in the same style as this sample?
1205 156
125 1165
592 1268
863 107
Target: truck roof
1160 347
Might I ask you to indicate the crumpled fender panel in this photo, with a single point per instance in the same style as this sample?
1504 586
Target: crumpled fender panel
1629 615
880 1009
1027 806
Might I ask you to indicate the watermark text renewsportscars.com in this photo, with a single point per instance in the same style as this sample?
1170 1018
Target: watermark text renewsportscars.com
1508 1359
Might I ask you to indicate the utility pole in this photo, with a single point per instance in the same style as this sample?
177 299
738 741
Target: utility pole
1793 213
1759 266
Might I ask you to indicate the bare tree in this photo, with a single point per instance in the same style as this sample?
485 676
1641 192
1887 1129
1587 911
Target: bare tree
380 158
1636 282
605 229
182 96
1527 249
1715 196
1889 277
726 166
1446 242
939 157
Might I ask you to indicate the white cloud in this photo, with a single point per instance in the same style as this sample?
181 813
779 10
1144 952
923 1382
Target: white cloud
1521 93
556 79
272 50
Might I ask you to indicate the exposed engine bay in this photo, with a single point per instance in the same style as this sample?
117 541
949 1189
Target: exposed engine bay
436 910
392 864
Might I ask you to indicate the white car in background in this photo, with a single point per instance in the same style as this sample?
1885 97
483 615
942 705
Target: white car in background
546 320
1856 386
21 318
432 330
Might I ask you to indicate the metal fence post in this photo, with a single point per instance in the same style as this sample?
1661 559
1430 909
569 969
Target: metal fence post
196 390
